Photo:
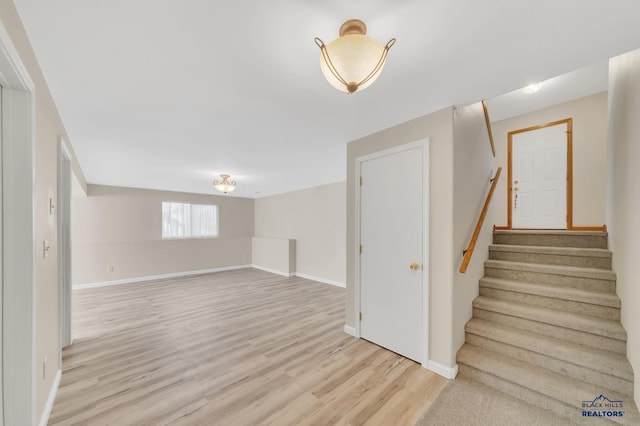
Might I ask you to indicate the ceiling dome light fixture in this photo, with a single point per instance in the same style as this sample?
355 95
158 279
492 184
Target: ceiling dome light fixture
532 88
224 185
354 60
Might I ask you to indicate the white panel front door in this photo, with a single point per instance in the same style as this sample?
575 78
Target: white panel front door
539 186
391 234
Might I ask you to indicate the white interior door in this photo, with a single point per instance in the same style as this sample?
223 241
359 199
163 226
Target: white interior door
539 186
391 236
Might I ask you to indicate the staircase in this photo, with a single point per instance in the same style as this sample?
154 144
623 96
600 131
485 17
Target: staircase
546 325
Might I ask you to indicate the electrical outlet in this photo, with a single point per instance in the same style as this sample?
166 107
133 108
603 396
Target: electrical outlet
109 268
51 206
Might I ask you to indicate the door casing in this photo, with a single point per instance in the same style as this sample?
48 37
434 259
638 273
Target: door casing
424 144
64 247
569 123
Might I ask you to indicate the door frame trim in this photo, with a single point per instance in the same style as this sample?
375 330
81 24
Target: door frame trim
569 123
424 144
65 337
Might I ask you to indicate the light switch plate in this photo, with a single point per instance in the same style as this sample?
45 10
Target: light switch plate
45 249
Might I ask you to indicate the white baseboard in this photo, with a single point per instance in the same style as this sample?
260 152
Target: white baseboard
298 274
444 371
274 271
46 412
321 280
351 331
158 277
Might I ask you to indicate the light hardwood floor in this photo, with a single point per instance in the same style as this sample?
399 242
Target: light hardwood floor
234 348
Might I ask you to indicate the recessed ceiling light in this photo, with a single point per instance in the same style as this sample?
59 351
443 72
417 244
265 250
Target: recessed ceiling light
532 88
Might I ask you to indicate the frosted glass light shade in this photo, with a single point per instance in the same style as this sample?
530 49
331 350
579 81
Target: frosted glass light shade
225 185
354 56
354 60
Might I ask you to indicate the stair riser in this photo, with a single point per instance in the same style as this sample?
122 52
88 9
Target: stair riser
562 333
532 397
586 374
603 312
564 240
550 259
593 284
594 326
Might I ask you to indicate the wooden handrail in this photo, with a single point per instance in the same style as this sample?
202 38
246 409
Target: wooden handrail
486 119
476 232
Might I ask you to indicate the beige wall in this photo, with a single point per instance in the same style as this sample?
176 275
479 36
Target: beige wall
315 218
589 153
438 127
122 227
473 164
623 197
48 127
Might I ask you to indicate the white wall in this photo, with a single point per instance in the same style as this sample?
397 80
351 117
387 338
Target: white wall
623 196
473 164
589 152
438 127
315 218
122 227
48 127
460 166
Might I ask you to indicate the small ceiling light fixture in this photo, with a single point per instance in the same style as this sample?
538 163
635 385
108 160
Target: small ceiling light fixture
354 60
224 185
532 88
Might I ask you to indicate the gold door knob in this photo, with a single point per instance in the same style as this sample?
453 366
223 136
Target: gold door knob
414 266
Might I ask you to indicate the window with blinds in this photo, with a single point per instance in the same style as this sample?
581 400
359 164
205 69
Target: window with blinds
184 220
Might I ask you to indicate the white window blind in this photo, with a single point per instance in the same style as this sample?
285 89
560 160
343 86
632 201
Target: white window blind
184 220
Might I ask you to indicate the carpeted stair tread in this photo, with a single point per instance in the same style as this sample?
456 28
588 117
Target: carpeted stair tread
564 293
558 251
591 279
569 256
571 271
550 238
546 326
596 326
536 380
599 360
560 232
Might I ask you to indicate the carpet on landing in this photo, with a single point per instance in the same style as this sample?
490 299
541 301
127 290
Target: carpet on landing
463 402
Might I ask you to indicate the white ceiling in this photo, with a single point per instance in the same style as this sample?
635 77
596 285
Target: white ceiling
168 94
556 90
